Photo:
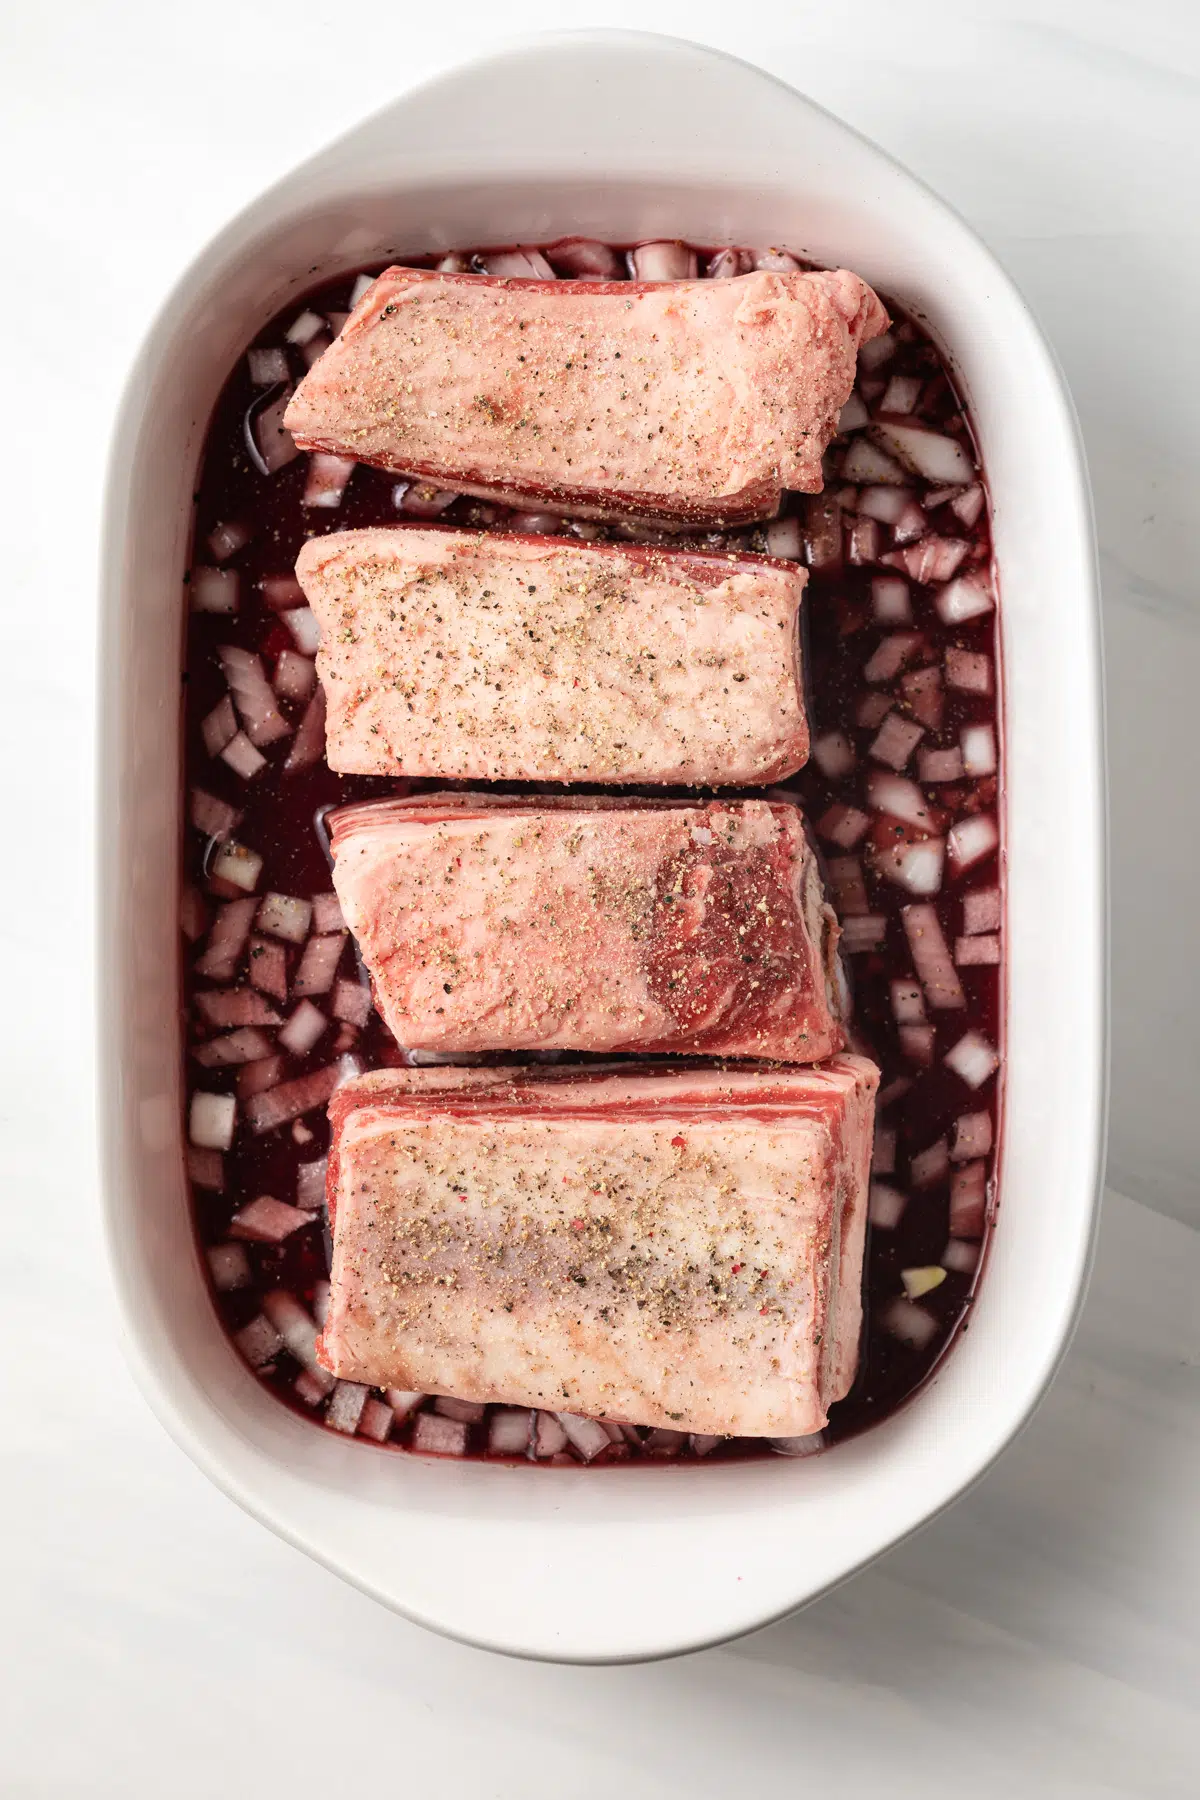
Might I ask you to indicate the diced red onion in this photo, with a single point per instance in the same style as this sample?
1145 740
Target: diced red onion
900 798
193 914
434 1435
981 910
703 1443
227 940
346 1406
890 601
318 965
975 952
304 326
863 933
242 757
901 394
978 749
932 559
301 621
784 538
297 1328
664 1442
866 462
930 454
268 967
774 260
963 599
727 263
206 1168
252 695
295 676
402 1402
268 366
968 505
301 1135
833 754
327 914
853 416
308 746
843 825
259 1342
917 1043
211 1120
930 1166
470 1412
586 259
972 1136
891 654
885 504
931 956
969 670
971 840
362 285
940 765
219 727
520 264
961 1257
823 533
911 525
314 350
922 689
291 1099
245 1045
887 1205
305 1026
849 888
229 1266
281 592
972 1059
663 262
351 1002
872 710
308 1389
257 1077
883 1154
916 867
267 1220
862 542
284 916
275 445
873 355
346 1038
968 1200
328 479
908 1003
310 1184
585 1435
536 524
798 1446
215 590
896 740
375 1420
225 541
910 1323
420 500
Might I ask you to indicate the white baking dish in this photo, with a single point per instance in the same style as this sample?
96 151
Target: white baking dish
616 136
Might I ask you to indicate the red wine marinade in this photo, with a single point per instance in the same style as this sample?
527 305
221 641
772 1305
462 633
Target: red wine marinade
881 544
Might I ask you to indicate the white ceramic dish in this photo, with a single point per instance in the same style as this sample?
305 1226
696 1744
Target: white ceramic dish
617 136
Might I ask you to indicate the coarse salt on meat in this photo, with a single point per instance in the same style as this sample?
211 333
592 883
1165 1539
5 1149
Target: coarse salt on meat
492 922
689 400
490 657
680 1248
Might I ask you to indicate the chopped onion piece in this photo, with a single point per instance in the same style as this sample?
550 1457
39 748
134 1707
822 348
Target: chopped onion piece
375 1420
917 1042
971 840
252 695
242 757
896 741
727 263
872 710
922 1280
351 1002
259 1342
402 1402
585 1435
911 1324
901 394
257 1077
316 347
268 367
981 910
268 967
193 914
863 933
298 1329
887 1205
908 1003
308 746
927 453
823 533
663 262
226 540
318 965
833 754
853 416
968 505
301 621
899 797
328 479
703 1443
915 867
664 1442
911 525
310 1184
849 889
215 590
931 955
421 500
362 285
781 261
281 592
235 864
969 670
940 765
968 1200
784 539
229 1267
291 1099
346 1406
963 599
211 1120
862 544
843 825
972 1059
883 1153
972 1136
931 559
891 654
873 355
798 1446
929 1166
248 1044
305 326
961 1257
519 264
308 1388
295 675
866 462
536 524
978 749
922 689
434 1435
585 258
274 444
219 727
267 1221
284 916
470 1412
207 1169
885 504
227 940
327 914
974 952
305 1026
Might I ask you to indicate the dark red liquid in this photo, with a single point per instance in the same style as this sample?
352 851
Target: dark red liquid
281 822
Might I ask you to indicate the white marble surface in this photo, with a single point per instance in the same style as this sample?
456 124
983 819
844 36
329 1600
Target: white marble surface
1040 1640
